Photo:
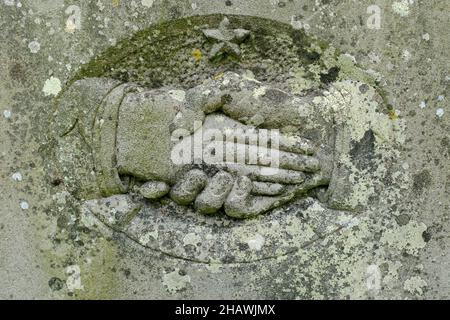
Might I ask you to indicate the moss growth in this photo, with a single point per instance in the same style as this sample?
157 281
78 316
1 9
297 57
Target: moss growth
163 54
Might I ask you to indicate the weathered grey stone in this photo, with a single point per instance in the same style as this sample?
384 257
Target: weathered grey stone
154 189
375 131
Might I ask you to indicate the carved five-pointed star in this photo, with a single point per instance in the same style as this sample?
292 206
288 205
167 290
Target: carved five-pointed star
228 39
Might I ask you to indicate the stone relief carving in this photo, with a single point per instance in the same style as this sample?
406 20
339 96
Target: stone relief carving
135 146
208 151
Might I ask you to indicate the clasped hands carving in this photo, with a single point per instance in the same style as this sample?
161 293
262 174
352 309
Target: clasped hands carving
214 146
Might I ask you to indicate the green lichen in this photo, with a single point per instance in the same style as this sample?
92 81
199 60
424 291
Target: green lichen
99 276
162 54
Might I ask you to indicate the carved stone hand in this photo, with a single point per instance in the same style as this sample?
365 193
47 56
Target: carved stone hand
134 132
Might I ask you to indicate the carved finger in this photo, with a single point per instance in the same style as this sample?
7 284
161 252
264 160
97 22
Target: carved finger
267 189
298 162
266 174
154 189
287 160
284 142
241 204
186 190
311 182
295 191
237 132
296 144
211 199
206 97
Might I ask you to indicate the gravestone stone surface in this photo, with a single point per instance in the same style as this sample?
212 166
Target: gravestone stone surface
166 150
333 133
